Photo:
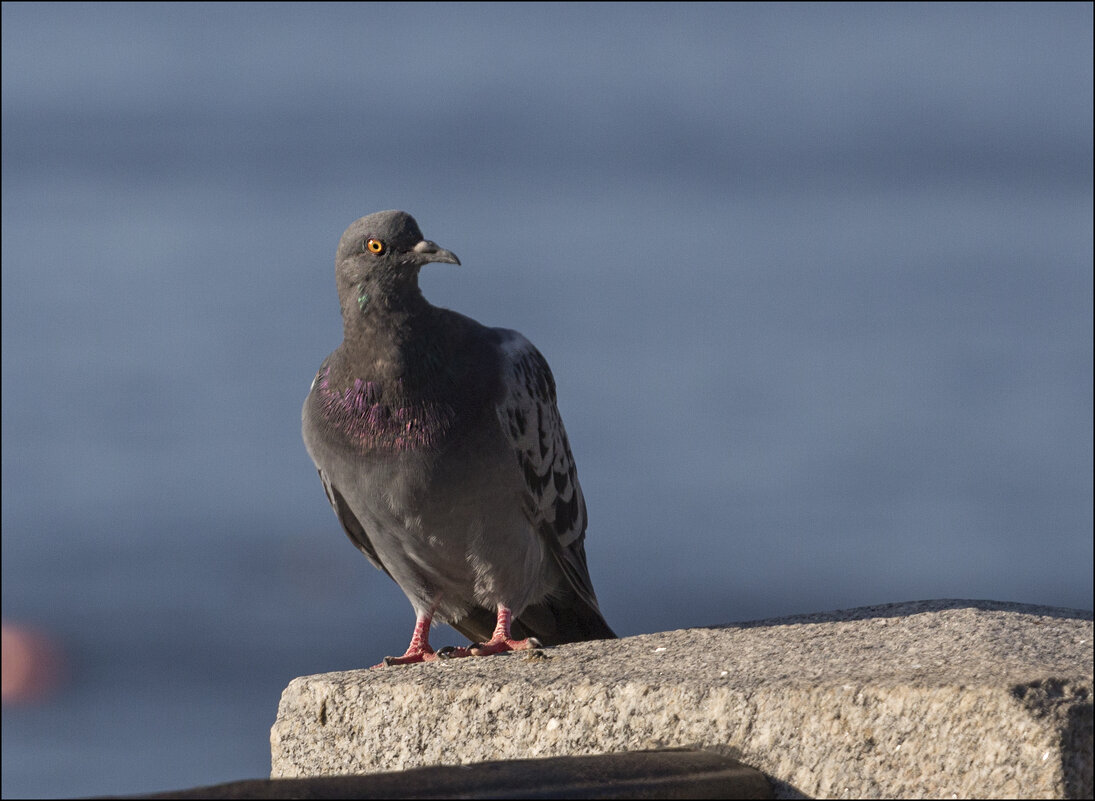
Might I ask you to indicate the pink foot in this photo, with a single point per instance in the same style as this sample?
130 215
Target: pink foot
499 645
502 641
413 655
419 650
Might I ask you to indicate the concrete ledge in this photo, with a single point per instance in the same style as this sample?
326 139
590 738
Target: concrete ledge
928 699
646 774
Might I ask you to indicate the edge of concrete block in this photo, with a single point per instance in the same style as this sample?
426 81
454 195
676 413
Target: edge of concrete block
970 698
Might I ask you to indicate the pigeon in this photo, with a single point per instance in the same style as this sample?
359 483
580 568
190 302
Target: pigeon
441 450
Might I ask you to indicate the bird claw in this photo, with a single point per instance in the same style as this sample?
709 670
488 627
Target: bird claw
500 645
453 652
412 657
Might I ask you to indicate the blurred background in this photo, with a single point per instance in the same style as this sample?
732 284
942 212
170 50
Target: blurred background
815 283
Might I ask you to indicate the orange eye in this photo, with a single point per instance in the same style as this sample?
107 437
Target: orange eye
375 246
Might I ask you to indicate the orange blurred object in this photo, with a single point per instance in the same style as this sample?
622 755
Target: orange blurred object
31 665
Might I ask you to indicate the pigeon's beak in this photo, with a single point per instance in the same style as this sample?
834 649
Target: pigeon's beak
428 251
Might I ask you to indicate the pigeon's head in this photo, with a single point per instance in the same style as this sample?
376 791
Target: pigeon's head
386 243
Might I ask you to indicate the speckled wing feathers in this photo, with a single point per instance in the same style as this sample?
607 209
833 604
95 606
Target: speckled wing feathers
531 421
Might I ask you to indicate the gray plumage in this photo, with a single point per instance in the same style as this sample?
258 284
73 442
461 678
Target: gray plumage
442 452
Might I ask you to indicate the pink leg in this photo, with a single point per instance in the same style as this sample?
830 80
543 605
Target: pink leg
501 640
419 650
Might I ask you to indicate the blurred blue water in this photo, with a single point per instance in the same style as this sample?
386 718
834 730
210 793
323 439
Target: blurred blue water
815 282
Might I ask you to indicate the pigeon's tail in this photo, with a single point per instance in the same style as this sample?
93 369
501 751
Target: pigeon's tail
553 621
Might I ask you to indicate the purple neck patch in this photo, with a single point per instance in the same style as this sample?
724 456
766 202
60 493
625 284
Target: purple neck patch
373 426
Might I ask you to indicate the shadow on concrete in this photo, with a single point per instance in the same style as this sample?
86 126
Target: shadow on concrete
665 773
1076 751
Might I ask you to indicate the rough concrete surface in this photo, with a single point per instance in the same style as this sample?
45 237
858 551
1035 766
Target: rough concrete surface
923 699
